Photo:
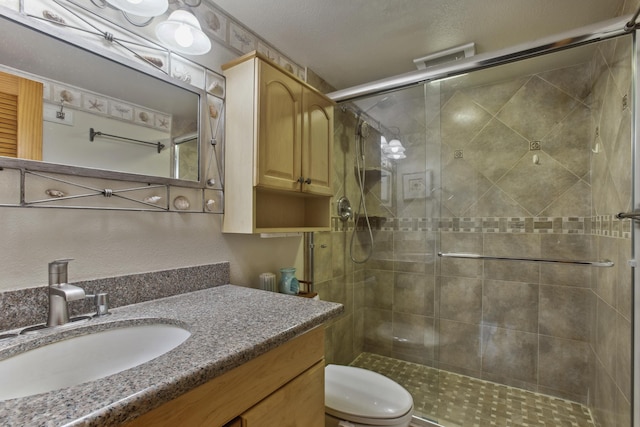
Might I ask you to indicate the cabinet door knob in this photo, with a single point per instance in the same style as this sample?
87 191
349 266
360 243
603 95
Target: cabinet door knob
301 180
307 181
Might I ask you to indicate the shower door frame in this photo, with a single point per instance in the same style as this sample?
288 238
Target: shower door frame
635 233
585 35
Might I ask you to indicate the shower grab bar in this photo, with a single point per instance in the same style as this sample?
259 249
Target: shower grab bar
602 263
632 215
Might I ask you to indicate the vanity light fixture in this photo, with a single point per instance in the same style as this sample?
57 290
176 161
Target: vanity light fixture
392 149
182 33
146 8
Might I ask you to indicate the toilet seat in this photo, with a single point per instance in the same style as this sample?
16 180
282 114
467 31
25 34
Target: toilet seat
365 397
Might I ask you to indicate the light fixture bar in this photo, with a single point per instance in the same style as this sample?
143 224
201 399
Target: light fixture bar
146 8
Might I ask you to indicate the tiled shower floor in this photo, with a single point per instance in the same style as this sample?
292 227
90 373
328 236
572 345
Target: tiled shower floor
459 401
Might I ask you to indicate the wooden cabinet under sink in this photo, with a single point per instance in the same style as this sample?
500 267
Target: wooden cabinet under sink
278 150
283 387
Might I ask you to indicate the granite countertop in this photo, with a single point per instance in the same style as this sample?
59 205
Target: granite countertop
229 326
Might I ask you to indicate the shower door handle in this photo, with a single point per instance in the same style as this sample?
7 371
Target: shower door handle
631 215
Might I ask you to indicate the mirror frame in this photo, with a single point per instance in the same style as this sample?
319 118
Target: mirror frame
48 30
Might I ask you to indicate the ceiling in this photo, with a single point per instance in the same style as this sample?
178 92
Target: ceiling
351 42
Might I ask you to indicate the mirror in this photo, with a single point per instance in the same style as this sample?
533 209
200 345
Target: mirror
101 114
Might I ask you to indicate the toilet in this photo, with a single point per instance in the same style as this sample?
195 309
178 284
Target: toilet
356 397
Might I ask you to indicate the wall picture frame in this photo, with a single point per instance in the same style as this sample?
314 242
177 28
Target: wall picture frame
415 185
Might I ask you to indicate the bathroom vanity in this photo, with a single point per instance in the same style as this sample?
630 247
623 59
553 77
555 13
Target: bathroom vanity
252 358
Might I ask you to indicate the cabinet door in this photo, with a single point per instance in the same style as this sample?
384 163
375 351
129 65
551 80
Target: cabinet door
317 144
20 117
298 403
279 130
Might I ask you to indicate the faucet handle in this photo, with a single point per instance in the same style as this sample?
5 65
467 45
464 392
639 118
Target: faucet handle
58 271
101 302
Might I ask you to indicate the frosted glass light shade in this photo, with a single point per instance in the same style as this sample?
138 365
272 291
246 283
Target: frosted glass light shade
181 32
147 8
393 147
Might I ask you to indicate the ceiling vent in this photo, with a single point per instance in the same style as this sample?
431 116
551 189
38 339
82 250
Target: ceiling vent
447 55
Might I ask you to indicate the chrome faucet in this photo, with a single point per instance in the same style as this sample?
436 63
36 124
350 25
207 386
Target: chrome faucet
60 293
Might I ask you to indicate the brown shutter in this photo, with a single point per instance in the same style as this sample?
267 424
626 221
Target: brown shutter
20 117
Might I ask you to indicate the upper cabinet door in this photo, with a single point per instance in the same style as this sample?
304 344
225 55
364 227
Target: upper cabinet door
280 130
20 117
317 144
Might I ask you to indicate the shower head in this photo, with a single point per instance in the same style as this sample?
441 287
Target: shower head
363 129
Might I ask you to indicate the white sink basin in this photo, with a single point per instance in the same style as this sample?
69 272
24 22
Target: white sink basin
85 358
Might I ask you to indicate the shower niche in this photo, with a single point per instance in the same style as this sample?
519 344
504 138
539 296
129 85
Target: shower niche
279 156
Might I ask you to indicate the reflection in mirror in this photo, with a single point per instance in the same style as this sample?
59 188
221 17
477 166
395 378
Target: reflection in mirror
82 90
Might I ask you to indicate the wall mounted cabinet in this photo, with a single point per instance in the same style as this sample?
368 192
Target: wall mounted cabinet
278 151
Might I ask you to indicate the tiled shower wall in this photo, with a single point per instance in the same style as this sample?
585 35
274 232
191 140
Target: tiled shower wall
611 313
557 329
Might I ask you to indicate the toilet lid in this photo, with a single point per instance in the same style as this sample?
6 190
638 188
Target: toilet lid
364 394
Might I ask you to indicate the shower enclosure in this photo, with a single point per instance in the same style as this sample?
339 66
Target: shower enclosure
503 171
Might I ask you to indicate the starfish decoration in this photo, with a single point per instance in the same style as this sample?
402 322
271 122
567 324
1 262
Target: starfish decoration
95 105
164 122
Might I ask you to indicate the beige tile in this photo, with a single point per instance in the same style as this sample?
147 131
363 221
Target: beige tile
536 95
496 203
461 299
565 312
566 246
323 265
461 120
565 365
607 278
604 398
510 305
625 284
574 80
605 342
462 185
460 345
493 97
624 339
495 150
566 275
515 245
570 141
455 400
536 186
576 201
465 243
510 353
378 332
512 271
620 162
414 337
414 294
378 289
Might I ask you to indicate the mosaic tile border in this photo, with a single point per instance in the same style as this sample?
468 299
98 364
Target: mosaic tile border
603 225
